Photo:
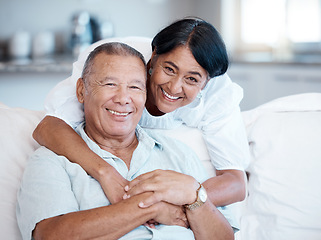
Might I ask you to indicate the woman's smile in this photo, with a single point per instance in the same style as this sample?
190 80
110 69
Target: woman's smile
169 97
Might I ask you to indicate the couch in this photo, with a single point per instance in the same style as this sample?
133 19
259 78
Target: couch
284 193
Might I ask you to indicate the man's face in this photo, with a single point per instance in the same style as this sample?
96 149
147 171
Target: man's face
114 96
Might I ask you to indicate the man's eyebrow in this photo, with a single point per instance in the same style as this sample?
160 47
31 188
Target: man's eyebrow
190 72
143 82
116 80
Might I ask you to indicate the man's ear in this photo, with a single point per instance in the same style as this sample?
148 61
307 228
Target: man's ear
80 90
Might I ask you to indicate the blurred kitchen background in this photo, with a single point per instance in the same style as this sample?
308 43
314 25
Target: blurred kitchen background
274 45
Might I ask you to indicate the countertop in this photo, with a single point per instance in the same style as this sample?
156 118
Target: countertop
55 64
63 63
268 59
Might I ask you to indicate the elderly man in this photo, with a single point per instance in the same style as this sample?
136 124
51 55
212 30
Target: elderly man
59 200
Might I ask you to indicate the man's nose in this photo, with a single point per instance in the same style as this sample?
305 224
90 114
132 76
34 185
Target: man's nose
122 95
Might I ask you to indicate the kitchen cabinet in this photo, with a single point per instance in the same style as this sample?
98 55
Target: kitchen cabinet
27 89
27 83
263 82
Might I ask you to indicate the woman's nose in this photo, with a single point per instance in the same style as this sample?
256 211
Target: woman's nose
175 85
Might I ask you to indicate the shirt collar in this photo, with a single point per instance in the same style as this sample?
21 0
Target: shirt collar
141 135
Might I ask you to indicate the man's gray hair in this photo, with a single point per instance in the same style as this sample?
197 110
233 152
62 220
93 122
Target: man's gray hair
111 48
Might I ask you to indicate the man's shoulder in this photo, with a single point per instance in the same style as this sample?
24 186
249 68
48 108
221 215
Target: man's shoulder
43 152
44 157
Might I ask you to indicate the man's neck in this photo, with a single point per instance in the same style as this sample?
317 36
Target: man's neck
123 150
121 147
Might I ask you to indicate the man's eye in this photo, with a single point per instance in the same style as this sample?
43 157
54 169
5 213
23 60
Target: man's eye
110 84
134 87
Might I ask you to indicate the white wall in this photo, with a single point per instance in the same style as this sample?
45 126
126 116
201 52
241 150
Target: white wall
130 17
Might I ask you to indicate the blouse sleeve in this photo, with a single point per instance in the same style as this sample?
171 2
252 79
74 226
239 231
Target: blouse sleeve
223 128
62 101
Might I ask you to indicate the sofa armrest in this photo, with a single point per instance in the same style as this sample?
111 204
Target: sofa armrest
284 174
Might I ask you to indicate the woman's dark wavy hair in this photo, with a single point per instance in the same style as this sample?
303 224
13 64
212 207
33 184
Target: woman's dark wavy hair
204 41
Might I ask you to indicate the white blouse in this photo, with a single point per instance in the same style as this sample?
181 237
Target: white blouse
215 111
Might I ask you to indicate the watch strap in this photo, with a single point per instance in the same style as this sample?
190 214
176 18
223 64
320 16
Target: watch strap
197 202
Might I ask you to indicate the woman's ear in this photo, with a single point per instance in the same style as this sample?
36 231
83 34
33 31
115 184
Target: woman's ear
152 59
205 83
80 90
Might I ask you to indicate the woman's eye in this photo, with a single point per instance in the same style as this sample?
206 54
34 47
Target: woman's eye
192 80
169 70
110 84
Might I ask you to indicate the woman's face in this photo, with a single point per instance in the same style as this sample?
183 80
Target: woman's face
176 79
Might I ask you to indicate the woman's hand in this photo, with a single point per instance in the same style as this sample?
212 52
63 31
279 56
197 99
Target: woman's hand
113 184
166 185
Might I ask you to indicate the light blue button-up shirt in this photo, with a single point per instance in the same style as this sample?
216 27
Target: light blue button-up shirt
52 185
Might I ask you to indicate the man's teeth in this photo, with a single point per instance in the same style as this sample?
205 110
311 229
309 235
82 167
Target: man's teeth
170 96
118 113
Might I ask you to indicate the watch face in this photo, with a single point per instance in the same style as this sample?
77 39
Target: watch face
202 194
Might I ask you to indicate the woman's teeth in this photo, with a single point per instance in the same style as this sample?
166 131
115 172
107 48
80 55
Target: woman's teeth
118 113
169 96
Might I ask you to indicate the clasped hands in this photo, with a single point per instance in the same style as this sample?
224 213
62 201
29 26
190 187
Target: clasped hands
168 190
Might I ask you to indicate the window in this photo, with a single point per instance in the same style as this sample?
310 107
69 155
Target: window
276 25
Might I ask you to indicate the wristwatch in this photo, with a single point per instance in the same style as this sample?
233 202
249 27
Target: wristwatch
200 200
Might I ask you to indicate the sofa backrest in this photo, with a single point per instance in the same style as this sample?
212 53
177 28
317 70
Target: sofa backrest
16 144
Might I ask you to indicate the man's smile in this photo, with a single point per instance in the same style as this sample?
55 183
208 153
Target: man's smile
118 113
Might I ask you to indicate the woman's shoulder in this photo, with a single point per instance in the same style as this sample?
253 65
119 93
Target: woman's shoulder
219 98
219 86
219 91
221 95
166 121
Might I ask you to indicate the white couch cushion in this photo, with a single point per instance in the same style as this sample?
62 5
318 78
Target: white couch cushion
16 144
284 199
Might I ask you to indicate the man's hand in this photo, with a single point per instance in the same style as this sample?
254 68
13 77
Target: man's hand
170 214
165 185
113 185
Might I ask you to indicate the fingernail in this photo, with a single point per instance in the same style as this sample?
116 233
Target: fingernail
141 204
126 188
125 196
